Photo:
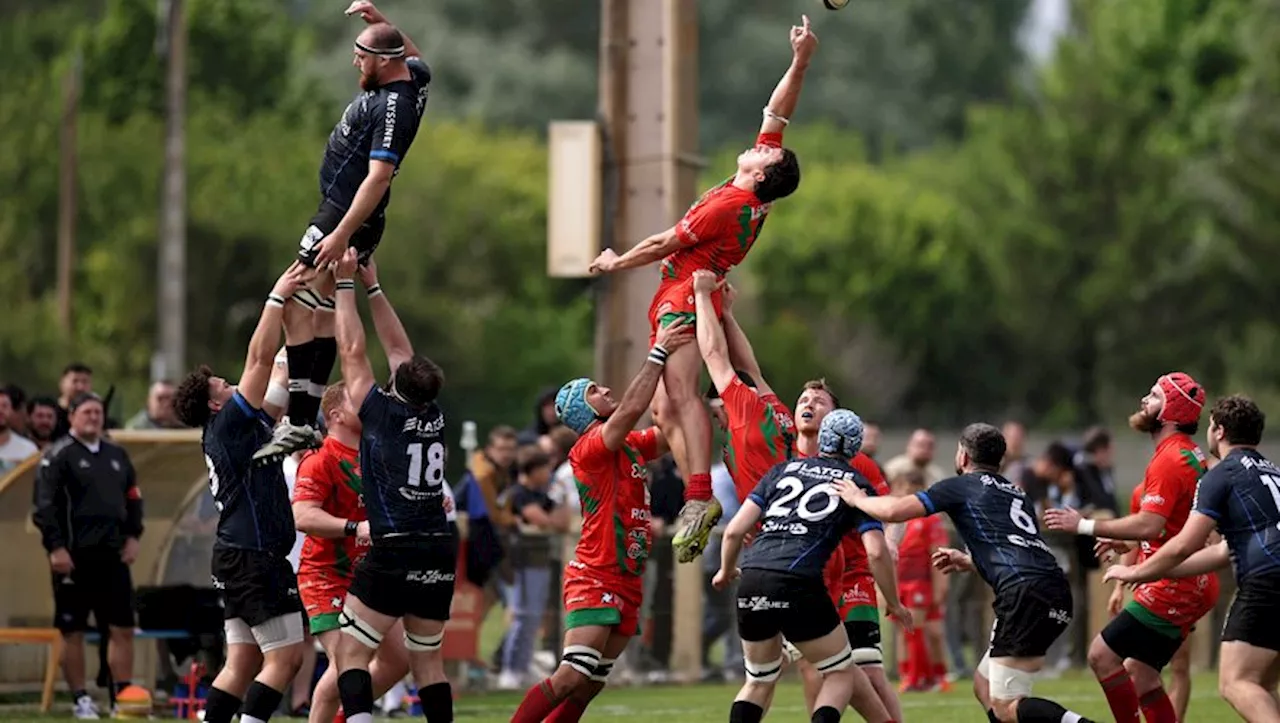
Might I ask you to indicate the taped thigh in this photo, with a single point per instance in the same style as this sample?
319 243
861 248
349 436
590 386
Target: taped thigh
359 629
767 672
279 632
581 658
423 643
1009 683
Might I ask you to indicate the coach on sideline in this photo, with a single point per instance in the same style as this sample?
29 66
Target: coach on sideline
89 511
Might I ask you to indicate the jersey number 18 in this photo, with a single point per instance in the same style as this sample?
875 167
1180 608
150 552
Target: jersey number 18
434 472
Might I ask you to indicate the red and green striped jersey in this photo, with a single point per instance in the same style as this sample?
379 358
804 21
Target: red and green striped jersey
614 490
331 476
761 434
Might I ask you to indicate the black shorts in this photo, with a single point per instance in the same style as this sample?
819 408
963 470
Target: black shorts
864 639
1128 637
256 585
1029 617
328 216
771 602
1254 613
99 584
411 576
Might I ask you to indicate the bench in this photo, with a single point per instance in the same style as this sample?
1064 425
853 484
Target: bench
39 636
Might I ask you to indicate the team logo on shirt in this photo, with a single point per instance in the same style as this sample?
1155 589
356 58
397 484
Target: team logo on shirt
637 543
428 577
1060 616
761 602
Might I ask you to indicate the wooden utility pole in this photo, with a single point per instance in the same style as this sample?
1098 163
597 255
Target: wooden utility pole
67 172
648 101
171 299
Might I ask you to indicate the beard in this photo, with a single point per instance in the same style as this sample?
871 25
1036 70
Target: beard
369 81
1140 421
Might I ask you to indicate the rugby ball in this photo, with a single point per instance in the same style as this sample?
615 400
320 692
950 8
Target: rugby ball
133 702
834 4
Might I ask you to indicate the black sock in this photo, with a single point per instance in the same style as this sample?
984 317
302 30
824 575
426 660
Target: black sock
826 714
300 364
260 703
744 711
220 706
79 693
437 702
355 689
1039 710
991 715
324 354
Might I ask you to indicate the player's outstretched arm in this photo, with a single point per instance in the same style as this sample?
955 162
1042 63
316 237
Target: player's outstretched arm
1211 559
711 338
1145 525
782 103
741 354
356 371
640 392
260 359
885 509
644 253
372 15
391 334
1190 540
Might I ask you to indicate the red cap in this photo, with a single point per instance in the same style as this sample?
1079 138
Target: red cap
1183 398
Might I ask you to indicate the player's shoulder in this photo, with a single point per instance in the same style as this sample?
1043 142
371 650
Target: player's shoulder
589 444
420 70
57 450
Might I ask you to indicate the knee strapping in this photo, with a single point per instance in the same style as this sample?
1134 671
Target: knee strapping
360 630
603 669
581 658
868 656
839 661
423 643
1009 683
763 672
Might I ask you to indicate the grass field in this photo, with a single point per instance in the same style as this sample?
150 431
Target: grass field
707 703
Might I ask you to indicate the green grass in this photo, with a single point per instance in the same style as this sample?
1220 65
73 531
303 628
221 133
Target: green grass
695 704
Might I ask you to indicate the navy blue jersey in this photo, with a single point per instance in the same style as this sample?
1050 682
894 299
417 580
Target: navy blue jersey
804 517
378 124
253 501
1242 494
997 523
402 456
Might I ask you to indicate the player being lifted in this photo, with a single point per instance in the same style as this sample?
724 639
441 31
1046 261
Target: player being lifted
1131 651
1032 598
716 234
409 572
604 582
250 563
362 156
782 592
1240 497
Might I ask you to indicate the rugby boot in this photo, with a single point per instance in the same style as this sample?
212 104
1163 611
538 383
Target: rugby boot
697 519
286 439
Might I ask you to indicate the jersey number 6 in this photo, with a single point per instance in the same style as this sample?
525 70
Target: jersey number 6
434 473
1024 521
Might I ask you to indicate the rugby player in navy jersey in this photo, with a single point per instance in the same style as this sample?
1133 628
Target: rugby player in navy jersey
250 563
1240 497
1032 598
409 572
782 591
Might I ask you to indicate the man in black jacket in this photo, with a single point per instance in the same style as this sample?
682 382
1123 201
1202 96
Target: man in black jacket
89 511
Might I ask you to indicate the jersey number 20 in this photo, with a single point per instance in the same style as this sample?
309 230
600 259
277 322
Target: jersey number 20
792 488
434 472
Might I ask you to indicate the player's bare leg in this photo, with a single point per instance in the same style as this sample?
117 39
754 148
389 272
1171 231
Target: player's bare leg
589 652
1180 679
763 660
390 665
666 417
1242 669
571 708
1009 682
701 510
884 690
252 677
1130 686
311 351
423 639
362 634
843 683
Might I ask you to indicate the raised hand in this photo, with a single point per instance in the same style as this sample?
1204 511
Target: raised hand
803 41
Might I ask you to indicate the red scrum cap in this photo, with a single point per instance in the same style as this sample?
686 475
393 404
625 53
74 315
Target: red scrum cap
1183 398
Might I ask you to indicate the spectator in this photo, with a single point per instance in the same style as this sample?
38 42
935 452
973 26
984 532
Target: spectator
18 400
1056 469
720 607
530 561
919 456
1095 468
77 379
871 440
544 418
563 490
158 413
477 495
14 448
88 509
42 421
1014 467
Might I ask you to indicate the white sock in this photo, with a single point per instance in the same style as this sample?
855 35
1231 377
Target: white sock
1070 717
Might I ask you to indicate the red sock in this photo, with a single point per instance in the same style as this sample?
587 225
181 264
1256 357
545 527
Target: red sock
570 711
537 704
1122 697
1157 708
697 487
939 671
919 658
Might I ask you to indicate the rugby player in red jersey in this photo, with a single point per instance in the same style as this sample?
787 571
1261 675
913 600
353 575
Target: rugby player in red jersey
1129 653
924 592
604 583
328 508
859 606
716 233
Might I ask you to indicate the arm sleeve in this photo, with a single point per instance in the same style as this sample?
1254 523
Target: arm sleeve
943 496
132 500
761 493
708 219
862 522
49 505
1161 489
645 442
394 125
419 71
1211 493
311 483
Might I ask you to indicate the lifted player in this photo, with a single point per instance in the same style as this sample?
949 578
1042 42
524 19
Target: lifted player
716 233
328 507
409 572
782 592
362 156
1033 600
1131 651
604 582
1240 496
250 563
